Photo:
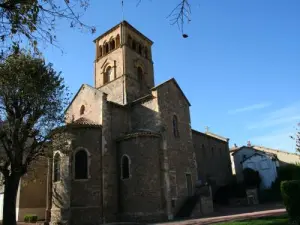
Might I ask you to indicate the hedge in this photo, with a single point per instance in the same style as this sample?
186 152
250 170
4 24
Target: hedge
30 218
290 191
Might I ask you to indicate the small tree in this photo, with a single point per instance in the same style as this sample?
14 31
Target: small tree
32 99
296 137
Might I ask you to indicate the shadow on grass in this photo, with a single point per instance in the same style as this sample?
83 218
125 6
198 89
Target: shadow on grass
278 220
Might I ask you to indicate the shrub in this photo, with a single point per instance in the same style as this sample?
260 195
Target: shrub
251 178
289 172
30 218
290 191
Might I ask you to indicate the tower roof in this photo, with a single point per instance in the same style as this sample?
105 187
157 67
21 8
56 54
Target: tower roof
124 23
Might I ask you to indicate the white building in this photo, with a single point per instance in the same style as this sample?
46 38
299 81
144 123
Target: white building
262 159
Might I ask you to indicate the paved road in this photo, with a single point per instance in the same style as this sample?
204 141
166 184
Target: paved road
217 219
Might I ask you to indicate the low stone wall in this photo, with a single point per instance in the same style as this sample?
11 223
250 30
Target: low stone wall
144 217
22 212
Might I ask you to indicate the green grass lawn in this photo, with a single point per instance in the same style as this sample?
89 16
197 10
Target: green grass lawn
278 220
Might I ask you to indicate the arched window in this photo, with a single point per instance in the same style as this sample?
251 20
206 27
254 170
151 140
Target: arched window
134 45
118 41
100 51
125 165
140 74
203 150
112 44
82 109
81 165
175 126
130 41
106 48
56 168
146 53
108 74
140 49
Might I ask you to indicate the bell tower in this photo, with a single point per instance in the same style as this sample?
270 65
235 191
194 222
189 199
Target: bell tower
123 64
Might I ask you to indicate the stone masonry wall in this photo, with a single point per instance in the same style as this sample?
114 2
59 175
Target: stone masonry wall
213 159
33 190
145 115
113 59
140 195
179 149
86 195
115 90
91 99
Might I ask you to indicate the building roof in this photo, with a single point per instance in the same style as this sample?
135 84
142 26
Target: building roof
81 87
212 135
270 155
234 150
217 136
176 84
124 22
139 133
84 121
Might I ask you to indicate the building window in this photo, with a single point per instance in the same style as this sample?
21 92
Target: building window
56 168
134 45
146 53
125 165
173 184
212 152
203 150
106 48
118 41
175 126
220 150
140 76
81 165
82 109
112 44
130 41
173 202
108 74
140 49
100 51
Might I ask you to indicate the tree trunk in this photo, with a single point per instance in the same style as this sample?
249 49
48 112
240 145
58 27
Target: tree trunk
10 198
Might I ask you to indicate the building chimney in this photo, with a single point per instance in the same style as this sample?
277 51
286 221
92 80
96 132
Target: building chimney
235 145
248 144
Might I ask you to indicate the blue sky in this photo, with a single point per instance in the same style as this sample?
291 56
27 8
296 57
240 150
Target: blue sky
240 66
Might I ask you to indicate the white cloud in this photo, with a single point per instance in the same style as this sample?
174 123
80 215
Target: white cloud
286 116
249 108
280 139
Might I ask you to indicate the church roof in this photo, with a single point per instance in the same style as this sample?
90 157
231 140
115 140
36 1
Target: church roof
81 87
270 155
84 121
261 149
217 136
124 22
176 84
212 135
138 133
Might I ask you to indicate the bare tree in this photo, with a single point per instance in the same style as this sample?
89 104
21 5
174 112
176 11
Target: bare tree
181 14
296 137
34 20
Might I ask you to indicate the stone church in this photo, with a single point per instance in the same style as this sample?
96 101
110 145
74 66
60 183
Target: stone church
130 152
